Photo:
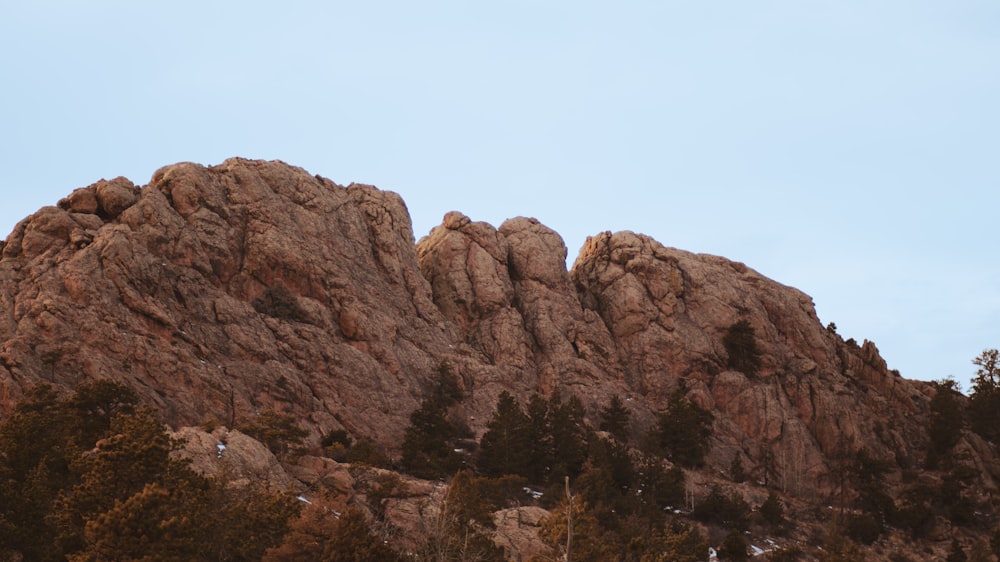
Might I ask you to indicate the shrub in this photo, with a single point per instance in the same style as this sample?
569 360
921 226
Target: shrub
734 547
741 347
864 528
772 511
276 431
279 302
736 470
726 510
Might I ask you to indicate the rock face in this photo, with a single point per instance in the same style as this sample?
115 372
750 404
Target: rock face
219 292
238 457
814 397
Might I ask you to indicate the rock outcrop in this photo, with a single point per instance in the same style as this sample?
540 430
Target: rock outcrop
221 291
814 397
218 292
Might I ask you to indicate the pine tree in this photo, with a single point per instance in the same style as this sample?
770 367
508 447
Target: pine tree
734 547
125 499
587 541
568 438
772 510
660 487
354 541
539 440
984 402
837 547
459 528
946 423
676 542
682 431
35 454
137 454
504 449
428 442
95 404
868 474
615 418
321 535
152 524
736 471
278 432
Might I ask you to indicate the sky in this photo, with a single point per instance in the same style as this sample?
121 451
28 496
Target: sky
848 148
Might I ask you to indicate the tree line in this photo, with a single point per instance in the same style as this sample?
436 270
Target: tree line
91 477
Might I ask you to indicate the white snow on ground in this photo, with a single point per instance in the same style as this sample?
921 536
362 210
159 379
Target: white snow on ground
533 493
303 500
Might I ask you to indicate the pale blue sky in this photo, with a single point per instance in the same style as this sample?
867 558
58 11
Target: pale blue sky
848 148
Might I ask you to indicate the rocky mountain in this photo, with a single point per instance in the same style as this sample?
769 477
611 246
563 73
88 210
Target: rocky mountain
218 292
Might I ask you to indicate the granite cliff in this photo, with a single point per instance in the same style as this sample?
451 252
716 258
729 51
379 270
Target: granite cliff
218 292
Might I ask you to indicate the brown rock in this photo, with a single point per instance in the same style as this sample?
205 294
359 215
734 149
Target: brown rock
668 311
222 291
163 296
115 196
231 454
517 531
83 200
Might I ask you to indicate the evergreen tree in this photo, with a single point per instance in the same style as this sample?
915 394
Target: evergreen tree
727 510
245 521
675 542
539 440
278 432
682 431
320 535
573 526
428 442
837 547
946 421
615 418
772 510
459 529
95 404
984 403
137 454
556 439
868 475
568 438
152 524
736 471
660 487
125 499
427 450
734 547
504 449
607 482
35 453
